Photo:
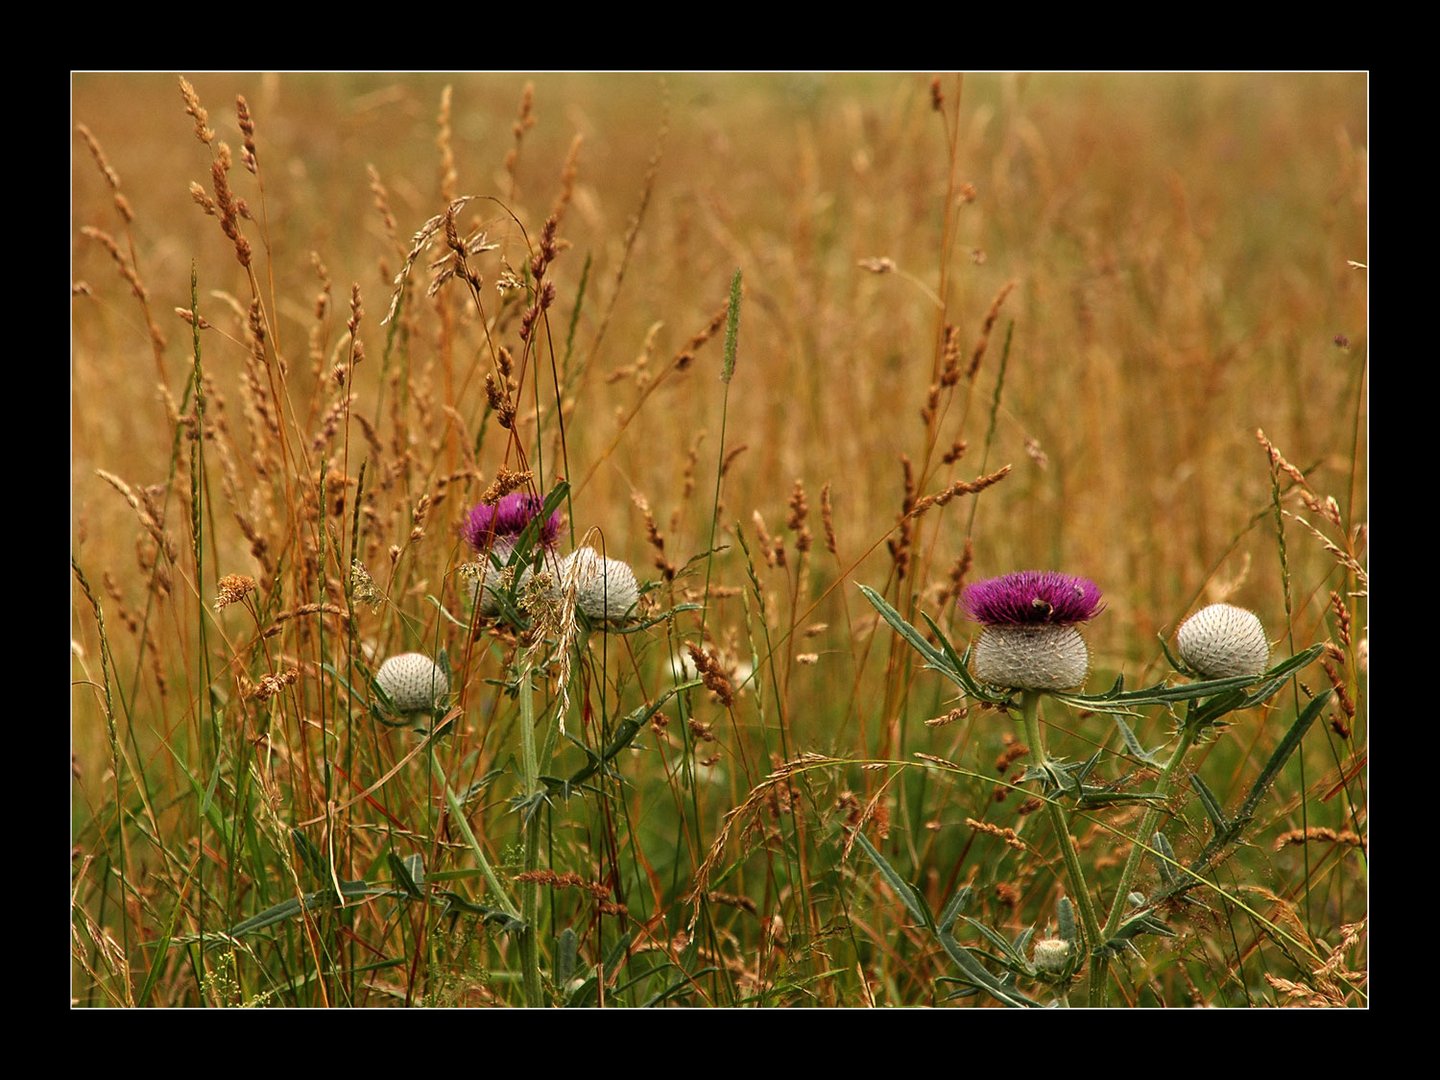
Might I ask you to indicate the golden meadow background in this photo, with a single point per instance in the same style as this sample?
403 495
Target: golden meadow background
1174 259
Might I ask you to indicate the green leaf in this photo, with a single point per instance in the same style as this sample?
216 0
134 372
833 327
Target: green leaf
288 909
1213 810
1133 744
310 855
954 907
567 948
1065 916
1164 859
409 872
977 974
1007 949
909 894
1287 746
917 641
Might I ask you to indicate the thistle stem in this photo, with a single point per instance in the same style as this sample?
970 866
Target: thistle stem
1059 820
1098 981
530 890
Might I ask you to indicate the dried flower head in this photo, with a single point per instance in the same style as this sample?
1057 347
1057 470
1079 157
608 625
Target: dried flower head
1030 641
606 589
413 682
1222 641
232 588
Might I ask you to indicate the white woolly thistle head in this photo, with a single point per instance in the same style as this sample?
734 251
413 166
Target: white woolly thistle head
605 589
413 682
1222 641
1031 657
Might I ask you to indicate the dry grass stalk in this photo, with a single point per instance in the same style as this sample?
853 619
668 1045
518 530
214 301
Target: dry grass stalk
247 133
504 483
959 487
226 206
1277 461
282 617
232 588
978 354
1010 836
827 519
150 523
382 207
686 356
419 243
1344 558
448 176
568 175
647 189
598 889
270 685
949 718
127 270
655 537
524 121
112 178
1342 694
796 523
899 544
950 356
1342 617
755 801
712 674
203 131
1317 834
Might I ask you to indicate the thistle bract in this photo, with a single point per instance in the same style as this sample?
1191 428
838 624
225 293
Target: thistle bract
1222 641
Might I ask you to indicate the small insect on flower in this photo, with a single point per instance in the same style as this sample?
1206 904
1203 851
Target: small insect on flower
413 682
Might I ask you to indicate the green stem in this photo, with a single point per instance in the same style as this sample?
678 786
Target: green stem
1098 982
530 890
1059 820
457 816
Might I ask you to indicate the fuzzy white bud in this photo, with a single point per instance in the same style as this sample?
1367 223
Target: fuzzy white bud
1222 641
413 682
1051 954
606 589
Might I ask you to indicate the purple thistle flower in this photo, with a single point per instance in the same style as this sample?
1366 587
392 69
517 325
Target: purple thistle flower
1032 598
500 525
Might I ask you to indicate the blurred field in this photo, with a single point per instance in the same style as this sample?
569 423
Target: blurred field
1134 273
